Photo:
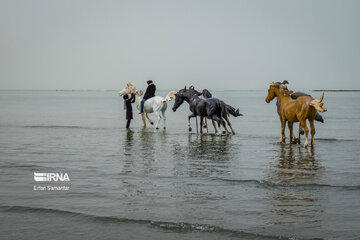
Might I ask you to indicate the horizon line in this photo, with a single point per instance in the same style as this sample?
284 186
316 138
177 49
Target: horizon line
167 89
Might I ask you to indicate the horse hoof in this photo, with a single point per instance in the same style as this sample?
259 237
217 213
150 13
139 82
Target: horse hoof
157 128
190 129
164 127
302 132
152 123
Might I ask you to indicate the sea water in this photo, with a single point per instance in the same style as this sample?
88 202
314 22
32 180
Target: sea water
174 184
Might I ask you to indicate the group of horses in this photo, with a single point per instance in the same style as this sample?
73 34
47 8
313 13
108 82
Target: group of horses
295 107
291 107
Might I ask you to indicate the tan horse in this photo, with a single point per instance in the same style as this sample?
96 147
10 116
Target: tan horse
304 107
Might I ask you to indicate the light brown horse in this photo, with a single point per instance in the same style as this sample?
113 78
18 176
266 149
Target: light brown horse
304 107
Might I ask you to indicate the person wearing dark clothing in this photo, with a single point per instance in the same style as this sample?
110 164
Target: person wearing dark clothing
149 93
128 108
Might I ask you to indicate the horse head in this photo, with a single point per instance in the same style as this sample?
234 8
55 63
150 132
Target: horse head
271 92
184 95
171 95
318 104
275 88
129 88
179 98
206 94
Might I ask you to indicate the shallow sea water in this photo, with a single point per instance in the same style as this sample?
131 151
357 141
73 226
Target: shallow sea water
172 184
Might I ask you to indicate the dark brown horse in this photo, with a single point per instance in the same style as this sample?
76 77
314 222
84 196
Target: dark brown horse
212 108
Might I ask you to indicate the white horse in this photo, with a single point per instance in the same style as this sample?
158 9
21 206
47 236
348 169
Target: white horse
155 104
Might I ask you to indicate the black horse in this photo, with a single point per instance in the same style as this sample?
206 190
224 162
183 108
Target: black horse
206 94
213 108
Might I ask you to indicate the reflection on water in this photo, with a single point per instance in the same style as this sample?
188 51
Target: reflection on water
208 146
129 142
296 199
142 149
203 155
294 165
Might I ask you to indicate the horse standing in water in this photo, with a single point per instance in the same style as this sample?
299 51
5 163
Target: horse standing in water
294 96
304 107
205 94
155 104
213 108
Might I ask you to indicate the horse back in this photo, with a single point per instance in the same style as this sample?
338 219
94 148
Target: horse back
303 108
155 104
214 106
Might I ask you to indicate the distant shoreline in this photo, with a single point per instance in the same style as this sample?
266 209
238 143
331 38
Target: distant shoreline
337 90
116 90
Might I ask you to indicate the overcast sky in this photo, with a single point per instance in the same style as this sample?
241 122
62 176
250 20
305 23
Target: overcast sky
212 44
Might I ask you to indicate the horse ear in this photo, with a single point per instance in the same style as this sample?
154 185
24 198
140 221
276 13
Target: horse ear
191 87
185 87
322 96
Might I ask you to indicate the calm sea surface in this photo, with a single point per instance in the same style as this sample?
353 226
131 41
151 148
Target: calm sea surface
172 184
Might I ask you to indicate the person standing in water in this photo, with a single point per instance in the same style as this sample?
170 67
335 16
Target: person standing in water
149 93
128 108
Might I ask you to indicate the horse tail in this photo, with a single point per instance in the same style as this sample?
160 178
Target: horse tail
319 118
231 110
318 103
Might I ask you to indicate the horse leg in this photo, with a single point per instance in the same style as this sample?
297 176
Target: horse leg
312 127
306 130
214 124
196 123
206 125
190 116
283 124
143 118
147 116
290 125
224 125
214 119
228 121
222 122
201 126
158 120
164 118
300 129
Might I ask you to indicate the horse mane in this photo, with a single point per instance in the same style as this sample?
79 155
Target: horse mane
284 90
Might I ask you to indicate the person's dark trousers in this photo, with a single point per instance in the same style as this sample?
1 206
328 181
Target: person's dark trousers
128 123
142 105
